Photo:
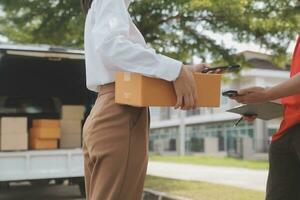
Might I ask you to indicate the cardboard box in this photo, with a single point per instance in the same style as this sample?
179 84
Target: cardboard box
70 141
36 143
137 90
47 123
71 127
13 125
14 141
73 112
45 133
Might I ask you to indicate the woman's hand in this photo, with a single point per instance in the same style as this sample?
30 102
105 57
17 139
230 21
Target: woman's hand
185 88
249 118
252 95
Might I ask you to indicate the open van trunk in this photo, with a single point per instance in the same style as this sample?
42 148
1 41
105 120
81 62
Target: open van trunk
36 81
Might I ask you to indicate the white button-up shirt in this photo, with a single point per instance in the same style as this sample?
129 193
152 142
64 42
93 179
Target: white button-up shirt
113 43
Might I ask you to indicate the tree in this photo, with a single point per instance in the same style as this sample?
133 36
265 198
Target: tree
178 28
56 22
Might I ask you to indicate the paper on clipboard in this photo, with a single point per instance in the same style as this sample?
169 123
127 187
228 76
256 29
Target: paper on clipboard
264 111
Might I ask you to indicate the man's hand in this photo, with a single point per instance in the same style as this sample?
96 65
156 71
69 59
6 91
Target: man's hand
185 88
199 67
252 95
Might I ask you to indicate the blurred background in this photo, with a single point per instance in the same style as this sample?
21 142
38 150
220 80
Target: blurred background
193 154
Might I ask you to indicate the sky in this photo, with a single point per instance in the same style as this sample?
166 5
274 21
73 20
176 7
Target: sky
229 42
3 39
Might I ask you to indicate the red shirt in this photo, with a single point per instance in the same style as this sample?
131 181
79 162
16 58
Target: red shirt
291 104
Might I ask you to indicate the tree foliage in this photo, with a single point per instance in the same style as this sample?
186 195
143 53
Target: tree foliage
56 22
179 28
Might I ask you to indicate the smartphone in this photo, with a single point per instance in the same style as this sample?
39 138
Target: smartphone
230 93
224 69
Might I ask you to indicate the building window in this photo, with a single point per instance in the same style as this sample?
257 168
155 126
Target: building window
195 112
271 131
165 113
224 101
163 139
225 132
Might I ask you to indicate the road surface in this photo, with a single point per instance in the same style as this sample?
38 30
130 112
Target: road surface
244 178
239 177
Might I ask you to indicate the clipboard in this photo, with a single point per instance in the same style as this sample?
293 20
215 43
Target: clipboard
264 111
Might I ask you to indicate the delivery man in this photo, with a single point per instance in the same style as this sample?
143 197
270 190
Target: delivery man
115 137
284 154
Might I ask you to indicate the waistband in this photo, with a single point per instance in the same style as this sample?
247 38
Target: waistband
107 88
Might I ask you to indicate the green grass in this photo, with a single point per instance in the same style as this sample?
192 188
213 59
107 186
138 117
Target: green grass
200 190
212 161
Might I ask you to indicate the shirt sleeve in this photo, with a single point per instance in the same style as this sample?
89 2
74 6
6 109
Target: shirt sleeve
114 44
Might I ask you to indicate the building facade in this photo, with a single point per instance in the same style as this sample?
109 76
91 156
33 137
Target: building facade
211 130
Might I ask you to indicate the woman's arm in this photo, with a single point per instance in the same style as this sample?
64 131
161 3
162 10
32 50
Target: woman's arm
288 88
260 95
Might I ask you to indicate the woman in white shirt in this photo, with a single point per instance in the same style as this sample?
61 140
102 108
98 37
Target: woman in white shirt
116 136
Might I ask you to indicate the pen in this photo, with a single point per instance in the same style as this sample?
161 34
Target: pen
237 123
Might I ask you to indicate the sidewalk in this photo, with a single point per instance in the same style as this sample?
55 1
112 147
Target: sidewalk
238 177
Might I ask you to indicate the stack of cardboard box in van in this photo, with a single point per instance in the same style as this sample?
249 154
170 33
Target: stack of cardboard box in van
71 126
13 133
45 134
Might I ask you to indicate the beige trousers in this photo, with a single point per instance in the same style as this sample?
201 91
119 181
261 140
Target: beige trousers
115 146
